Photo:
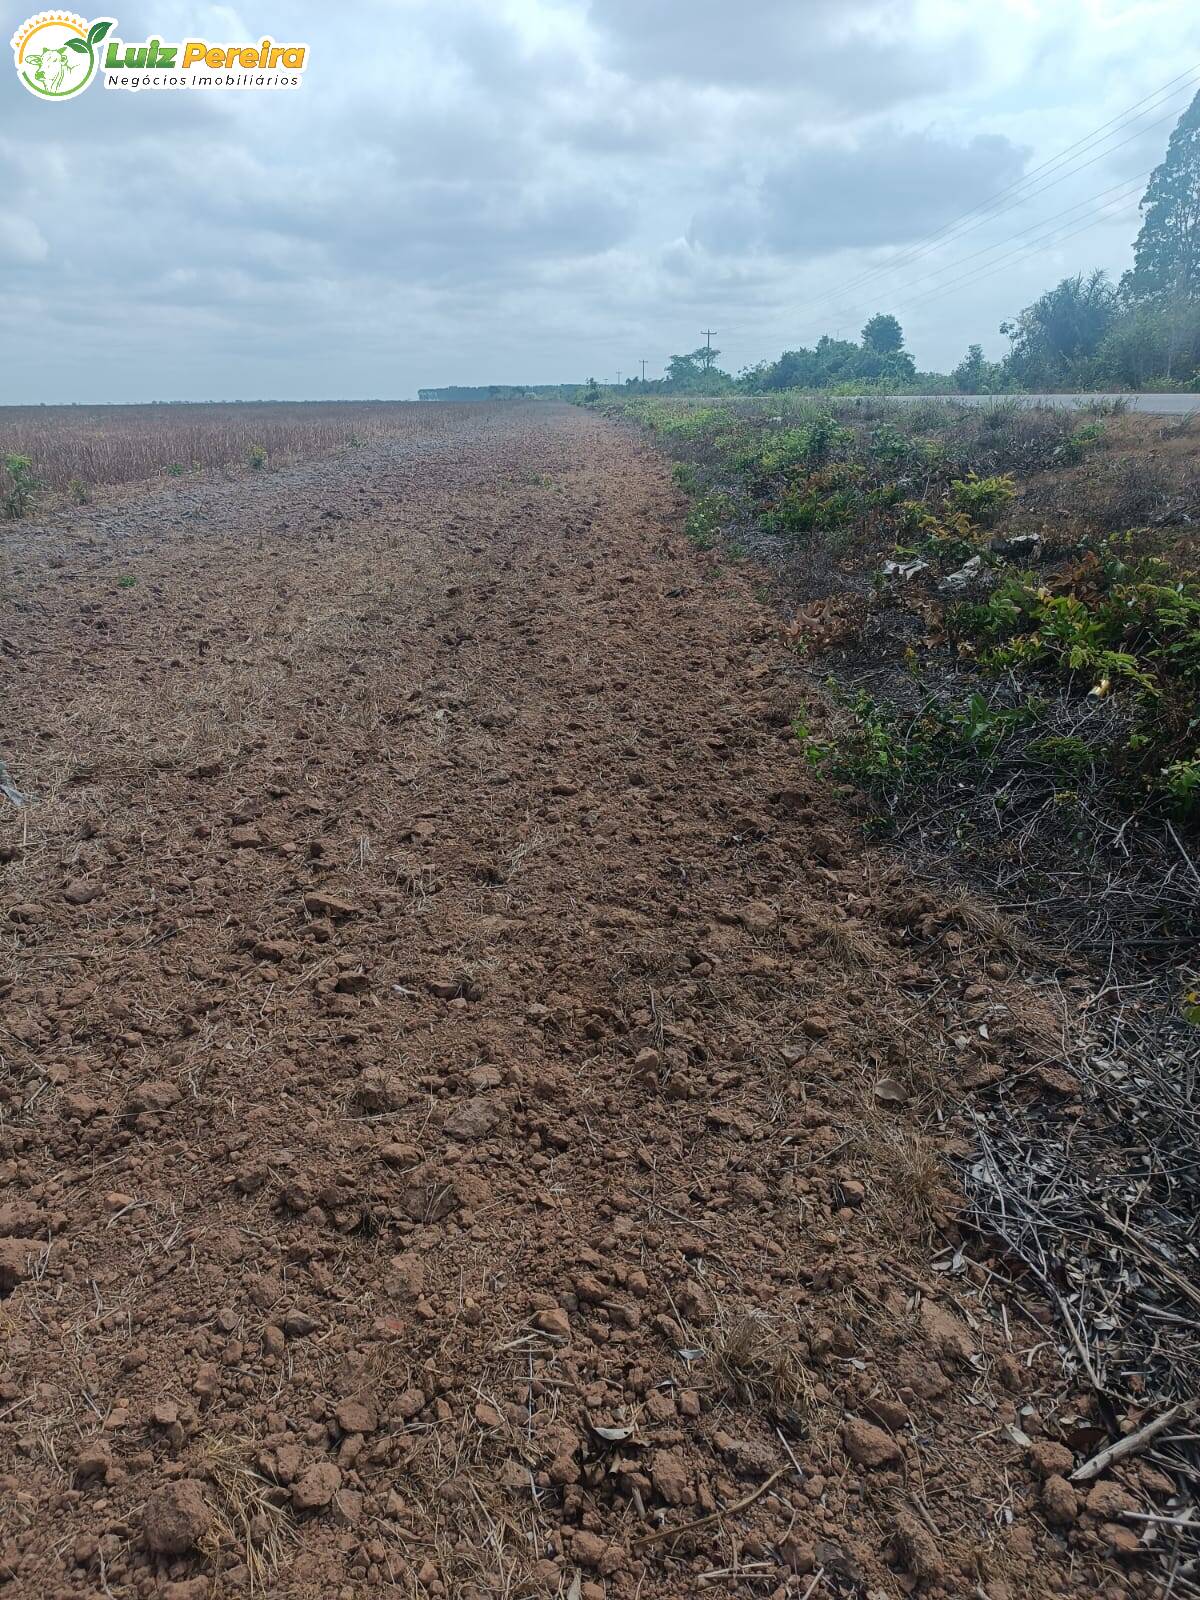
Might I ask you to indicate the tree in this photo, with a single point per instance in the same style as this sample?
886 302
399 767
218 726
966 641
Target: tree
975 374
1166 257
684 372
1151 346
968 374
883 335
1055 338
695 373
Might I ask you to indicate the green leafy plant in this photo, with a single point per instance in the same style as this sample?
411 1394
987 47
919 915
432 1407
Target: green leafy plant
18 486
79 491
826 501
981 499
1084 438
707 517
817 752
256 457
94 35
890 447
1181 784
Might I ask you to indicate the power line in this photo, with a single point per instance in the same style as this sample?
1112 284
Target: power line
1062 216
988 207
994 207
841 310
1054 236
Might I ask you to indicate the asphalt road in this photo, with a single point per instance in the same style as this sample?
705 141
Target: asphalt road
1164 405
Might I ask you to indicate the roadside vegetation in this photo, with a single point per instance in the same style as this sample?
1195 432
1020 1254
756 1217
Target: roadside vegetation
1005 605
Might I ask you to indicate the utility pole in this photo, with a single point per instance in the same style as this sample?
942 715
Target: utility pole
708 339
643 371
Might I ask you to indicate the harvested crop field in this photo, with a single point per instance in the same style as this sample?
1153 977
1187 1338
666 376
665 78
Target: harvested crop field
477 1119
78 450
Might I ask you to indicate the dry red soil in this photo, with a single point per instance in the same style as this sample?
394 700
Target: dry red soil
476 1117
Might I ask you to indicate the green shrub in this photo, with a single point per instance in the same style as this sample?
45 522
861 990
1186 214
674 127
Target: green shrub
890 756
79 491
17 487
890 447
256 457
1085 438
981 499
1129 630
1064 751
823 502
706 519
999 413
1181 786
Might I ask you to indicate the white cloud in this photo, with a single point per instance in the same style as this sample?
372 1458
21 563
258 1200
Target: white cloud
533 189
21 241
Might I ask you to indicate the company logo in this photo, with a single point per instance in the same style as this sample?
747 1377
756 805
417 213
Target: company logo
57 54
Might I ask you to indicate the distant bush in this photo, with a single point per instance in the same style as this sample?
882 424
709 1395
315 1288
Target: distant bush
17 486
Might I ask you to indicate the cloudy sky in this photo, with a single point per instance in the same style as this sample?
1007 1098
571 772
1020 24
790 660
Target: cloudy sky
481 191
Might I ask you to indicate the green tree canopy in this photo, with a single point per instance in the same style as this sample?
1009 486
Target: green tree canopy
1166 256
883 335
1054 339
697 373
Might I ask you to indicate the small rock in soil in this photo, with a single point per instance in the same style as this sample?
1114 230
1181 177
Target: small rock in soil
867 1445
176 1517
316 1486
473 1119
1059 1501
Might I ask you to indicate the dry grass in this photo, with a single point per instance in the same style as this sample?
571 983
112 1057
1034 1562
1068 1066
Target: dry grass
247 1518
909 1169
760 1367
95 445
850 944
999 931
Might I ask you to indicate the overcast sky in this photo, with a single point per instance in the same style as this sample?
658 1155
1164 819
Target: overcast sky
483 191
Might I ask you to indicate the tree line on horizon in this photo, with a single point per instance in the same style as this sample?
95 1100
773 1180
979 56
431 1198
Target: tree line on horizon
1085 333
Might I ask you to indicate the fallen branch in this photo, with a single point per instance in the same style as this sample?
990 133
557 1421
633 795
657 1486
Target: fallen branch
713 1516
1127 1446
